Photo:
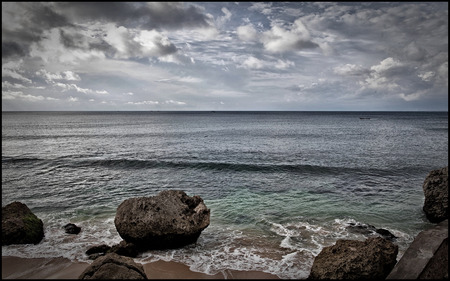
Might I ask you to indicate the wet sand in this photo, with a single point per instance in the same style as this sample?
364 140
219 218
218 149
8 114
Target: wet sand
62 268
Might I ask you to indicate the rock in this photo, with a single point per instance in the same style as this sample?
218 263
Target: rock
125 248
71 228
369 230
113 266
351 259
386 234
168 220
97 251
435 188
20 225
360 228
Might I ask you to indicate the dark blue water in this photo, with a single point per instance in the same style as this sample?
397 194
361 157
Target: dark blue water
280 185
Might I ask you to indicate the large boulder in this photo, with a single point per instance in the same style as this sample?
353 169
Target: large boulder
170 219
113 266
351 259
20 225
435 189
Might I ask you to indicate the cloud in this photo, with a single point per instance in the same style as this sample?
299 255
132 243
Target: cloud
247 32
68 87
65 75
146 15
350 69
279 39
13 69
222 20
146 102
13 95
253 63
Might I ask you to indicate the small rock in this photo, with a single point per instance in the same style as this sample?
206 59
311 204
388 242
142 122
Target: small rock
72 228
386 234
98 249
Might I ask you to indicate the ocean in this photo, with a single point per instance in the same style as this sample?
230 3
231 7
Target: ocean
280 185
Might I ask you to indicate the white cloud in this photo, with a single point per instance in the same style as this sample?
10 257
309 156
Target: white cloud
426 76
65 75
73 99
247 33
67 87
350 69
284 64
12 95
6 84
253 63
386 65
175 102
13 69
222 20
146 102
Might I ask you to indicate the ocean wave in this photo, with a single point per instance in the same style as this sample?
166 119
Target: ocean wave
126 163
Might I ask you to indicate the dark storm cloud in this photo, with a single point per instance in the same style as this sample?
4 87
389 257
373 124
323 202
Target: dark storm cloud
26 23
11 49
141 14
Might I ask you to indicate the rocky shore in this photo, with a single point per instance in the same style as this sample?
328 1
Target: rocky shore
172 219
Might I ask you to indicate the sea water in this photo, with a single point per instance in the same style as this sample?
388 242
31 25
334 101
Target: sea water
280 185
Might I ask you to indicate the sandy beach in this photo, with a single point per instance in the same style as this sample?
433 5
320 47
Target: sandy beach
62 268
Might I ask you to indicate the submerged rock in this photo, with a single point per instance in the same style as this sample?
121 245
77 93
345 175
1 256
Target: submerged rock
71 228
113 266
97 251
435 189
368 230
20 225
170 219
350 259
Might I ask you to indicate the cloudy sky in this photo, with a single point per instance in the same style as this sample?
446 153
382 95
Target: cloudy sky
225 56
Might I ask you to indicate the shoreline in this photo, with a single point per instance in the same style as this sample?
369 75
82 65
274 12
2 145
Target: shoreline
63 268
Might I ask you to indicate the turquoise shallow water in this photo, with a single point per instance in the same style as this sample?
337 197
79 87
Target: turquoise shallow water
280 185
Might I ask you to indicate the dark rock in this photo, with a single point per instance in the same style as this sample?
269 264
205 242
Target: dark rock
435 188
386 234
170 219
125 248
71 228
20 225
95 256
370 230
98 249
359 228
350 259
113 266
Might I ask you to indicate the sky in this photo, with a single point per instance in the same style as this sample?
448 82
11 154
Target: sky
296 56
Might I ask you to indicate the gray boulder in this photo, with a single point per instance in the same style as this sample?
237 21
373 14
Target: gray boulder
351 259
113 266
435 189
168 220
20 225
